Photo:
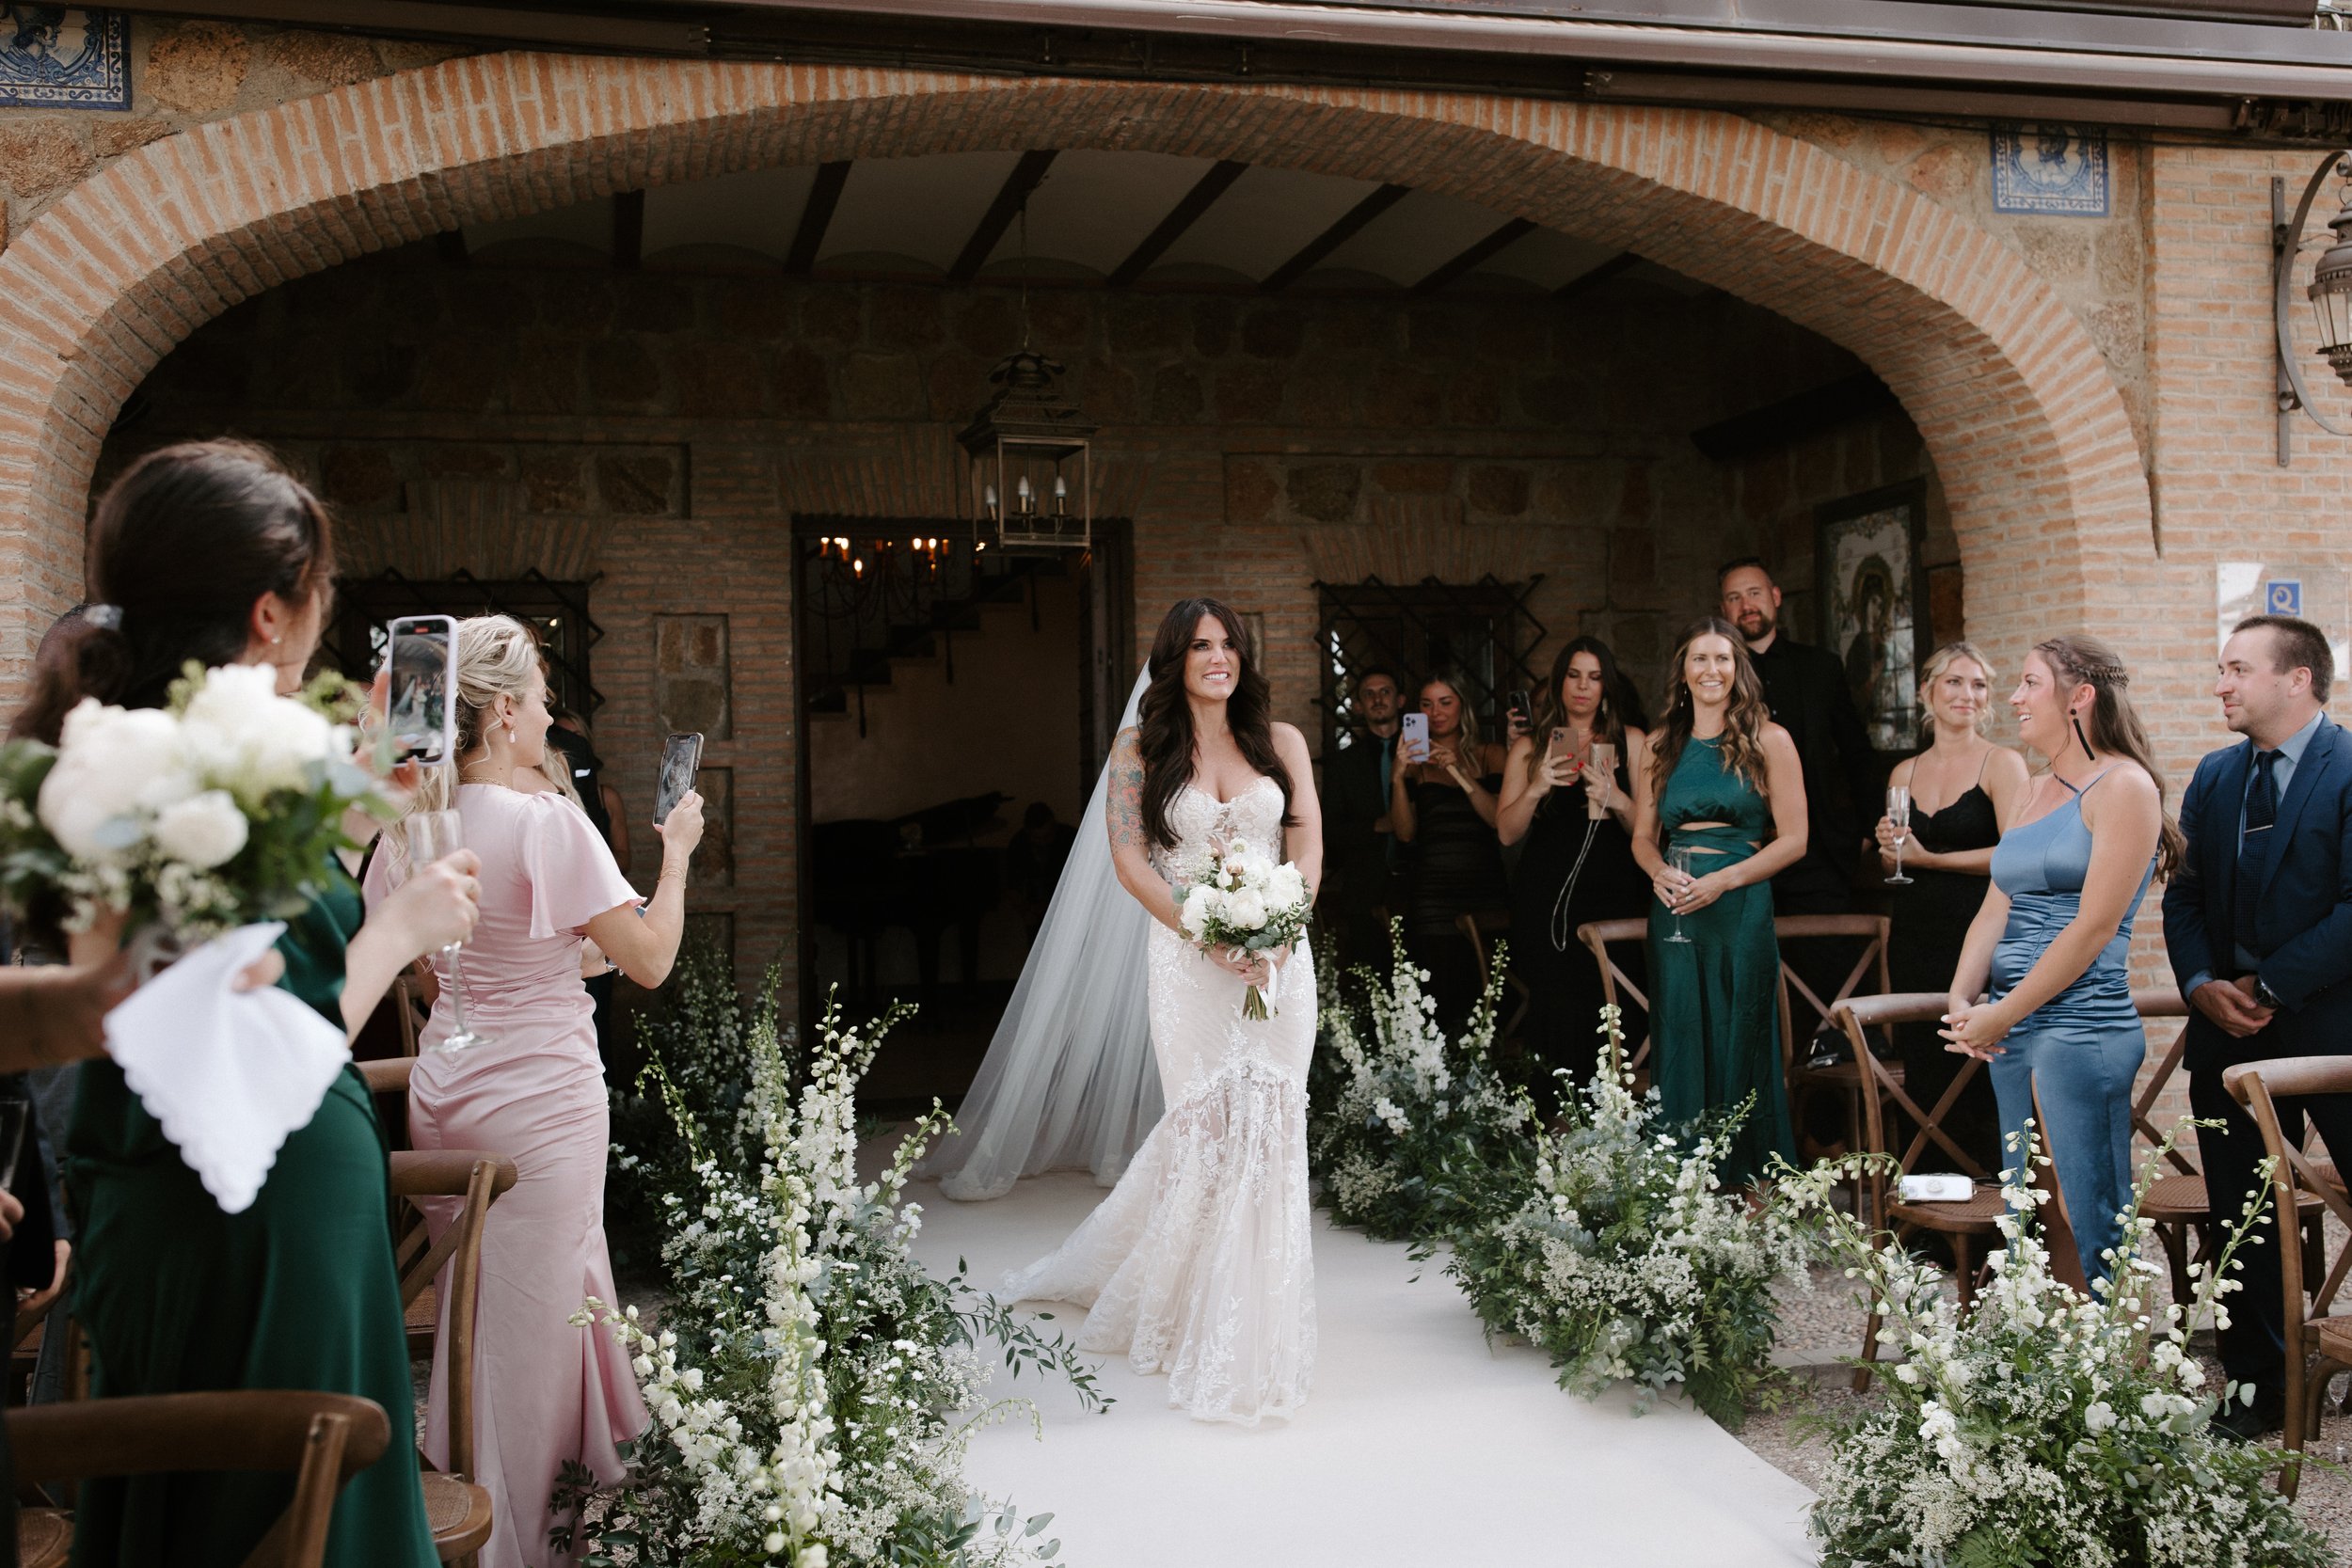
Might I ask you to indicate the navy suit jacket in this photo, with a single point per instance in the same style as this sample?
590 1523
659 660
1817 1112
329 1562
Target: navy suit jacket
2303 920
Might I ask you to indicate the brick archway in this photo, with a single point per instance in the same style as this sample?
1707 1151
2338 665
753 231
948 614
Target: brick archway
2014 401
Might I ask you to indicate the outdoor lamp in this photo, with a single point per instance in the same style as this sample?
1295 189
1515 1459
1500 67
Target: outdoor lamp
2330 293
1027 443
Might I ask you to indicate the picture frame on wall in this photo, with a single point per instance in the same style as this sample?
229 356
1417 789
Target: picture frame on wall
1869 568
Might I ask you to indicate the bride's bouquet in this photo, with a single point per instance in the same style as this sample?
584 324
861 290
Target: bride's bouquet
1244 900
189 820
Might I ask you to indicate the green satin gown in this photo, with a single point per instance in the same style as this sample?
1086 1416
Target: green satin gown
298 1292
1714 1001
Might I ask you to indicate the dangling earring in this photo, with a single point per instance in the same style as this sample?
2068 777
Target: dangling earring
2080 736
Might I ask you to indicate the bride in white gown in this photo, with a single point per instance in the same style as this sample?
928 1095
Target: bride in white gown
1199 1263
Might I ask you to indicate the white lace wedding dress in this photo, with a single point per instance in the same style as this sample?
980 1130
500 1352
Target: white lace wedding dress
1199 1263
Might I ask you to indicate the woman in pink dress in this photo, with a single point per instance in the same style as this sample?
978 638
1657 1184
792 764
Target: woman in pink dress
547 1392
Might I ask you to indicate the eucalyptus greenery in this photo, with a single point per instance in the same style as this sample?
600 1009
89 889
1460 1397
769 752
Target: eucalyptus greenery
2045 1426
1405 1131
1618 1256
813 1388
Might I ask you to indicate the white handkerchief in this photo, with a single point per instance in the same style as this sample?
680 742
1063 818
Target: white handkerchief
228 1073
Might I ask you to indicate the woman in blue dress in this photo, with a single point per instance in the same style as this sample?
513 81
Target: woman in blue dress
2054 938
1718 779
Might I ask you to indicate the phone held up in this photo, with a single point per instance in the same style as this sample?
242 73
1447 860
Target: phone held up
1413 730
681 758
1523 710
421 654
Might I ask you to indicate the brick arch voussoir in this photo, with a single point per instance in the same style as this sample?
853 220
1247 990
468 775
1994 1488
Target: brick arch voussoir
2012 398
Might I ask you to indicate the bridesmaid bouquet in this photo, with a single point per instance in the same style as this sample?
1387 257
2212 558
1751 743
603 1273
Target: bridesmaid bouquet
219 810
1243 900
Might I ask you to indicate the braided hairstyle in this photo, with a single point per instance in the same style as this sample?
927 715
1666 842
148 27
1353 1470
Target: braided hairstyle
2081 659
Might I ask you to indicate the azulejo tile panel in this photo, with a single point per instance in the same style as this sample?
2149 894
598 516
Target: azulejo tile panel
64 58
2050 168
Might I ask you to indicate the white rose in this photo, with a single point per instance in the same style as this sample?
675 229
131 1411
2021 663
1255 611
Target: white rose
246 736
1246 910
1286 887
203 830
1194 917
2100 1417
113 766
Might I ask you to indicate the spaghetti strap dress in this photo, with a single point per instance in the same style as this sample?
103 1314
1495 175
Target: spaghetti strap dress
1931 923
297 1292
1715 1014
1458 870
2080 1050
1573 869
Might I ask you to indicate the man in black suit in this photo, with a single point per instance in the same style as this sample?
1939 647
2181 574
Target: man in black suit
2258 922
1359 847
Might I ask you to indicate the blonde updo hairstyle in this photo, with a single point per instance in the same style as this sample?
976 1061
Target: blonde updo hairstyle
496 657
1943 659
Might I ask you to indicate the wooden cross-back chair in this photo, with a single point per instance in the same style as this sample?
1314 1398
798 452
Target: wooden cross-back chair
457 1509
1481 929
1848 1080
2177 1200
2318 1339
1964 1223
324 1439
1616 986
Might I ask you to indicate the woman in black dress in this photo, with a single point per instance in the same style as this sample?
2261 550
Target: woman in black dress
1963 791
1444 803
1578 863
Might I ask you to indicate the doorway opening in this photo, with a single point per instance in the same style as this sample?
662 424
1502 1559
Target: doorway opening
956 700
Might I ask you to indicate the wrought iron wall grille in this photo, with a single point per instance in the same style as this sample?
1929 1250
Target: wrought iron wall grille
558 611
1481 630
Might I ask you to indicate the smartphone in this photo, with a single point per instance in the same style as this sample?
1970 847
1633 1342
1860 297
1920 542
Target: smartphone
681 758
420 652
1523 709
1562 744
1413 731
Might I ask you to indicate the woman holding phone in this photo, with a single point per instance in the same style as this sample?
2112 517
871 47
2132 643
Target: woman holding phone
1722 808
1567 796
532 1086
211 552
1442 803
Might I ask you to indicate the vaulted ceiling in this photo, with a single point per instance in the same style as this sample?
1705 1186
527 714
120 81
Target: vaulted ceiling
1114 217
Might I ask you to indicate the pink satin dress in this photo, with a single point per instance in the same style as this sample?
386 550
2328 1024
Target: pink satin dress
546 1392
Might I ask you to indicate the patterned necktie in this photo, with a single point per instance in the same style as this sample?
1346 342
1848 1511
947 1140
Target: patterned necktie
2253 855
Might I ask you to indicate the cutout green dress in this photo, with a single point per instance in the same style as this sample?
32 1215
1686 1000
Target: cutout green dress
1715 1013
298 1292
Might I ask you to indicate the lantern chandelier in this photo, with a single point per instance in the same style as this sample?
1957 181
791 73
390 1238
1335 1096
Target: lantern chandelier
2329 291
1031 459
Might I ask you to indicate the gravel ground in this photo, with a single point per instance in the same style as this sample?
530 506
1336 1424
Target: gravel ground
1821 1329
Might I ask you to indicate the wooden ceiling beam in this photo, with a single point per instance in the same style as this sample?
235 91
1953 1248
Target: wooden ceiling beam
1587 282
1350 223
1011 197
1180 218
825 194
1483 252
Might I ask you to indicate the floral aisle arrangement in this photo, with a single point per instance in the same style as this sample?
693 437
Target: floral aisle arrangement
813 1388
1619 1256
222 808
1406 1131
1244 900
2046 1426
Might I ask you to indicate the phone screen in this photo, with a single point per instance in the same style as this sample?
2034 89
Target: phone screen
681 758
421 653
1522 707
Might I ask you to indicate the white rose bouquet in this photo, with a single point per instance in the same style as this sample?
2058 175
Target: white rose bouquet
1244 900
192 820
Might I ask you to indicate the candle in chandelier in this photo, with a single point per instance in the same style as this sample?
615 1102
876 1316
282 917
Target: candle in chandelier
988 493
858 565
1061 494
1029 497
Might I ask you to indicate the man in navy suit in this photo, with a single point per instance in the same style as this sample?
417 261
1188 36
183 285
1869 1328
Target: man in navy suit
2258 922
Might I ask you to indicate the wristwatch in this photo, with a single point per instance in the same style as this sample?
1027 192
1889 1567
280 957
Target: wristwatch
2264 996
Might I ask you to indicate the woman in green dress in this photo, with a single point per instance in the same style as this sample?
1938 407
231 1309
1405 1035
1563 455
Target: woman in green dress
212 552
1721 810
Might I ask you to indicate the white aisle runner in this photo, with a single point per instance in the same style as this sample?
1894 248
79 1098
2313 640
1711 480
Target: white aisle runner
1418 1446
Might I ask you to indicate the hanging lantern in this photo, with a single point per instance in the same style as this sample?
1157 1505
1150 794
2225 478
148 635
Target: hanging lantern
2331 295
1031 461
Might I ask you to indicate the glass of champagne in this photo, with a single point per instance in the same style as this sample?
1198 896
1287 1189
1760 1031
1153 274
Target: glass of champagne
1681 857
431 836
1899 816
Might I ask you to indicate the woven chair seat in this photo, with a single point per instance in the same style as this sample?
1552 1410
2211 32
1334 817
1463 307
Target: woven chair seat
2177 1195
2335 1337
44 1537
459 1514
1977 1212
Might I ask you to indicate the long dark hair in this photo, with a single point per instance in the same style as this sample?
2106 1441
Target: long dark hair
1620 703
181 547
1165 720
2115 726
1744 716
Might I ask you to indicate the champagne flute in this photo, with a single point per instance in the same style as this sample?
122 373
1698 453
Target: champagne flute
1681 857
431 836
1899 816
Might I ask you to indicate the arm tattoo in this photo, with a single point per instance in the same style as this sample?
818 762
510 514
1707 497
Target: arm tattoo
1124 799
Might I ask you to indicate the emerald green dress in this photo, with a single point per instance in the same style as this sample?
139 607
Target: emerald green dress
298 1292
1714 1000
